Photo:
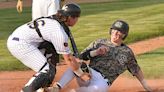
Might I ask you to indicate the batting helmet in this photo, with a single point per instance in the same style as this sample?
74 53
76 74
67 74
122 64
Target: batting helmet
72 10
121 26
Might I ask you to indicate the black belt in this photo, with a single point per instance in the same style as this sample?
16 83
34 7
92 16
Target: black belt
108 82
15 39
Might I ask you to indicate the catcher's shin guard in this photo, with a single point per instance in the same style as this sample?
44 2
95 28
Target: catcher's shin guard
42 80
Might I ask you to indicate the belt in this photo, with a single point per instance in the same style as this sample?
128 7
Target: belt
107 81
15 39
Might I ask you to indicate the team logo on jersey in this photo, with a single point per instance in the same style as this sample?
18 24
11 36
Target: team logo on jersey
65 44
122 59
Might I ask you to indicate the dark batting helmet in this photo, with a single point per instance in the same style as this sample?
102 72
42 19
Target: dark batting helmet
121 26
72 10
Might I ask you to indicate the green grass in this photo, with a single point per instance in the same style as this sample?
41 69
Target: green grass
152 64
10 20
145 18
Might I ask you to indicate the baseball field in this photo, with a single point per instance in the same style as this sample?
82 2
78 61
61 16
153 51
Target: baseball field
146 38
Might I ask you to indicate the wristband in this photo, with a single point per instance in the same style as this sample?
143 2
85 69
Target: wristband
93 53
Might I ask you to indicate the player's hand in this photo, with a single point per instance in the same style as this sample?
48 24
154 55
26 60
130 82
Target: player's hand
102 50
147 88
19 6
85 77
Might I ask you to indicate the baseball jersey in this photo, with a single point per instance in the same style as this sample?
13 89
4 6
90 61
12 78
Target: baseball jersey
51 31
117 60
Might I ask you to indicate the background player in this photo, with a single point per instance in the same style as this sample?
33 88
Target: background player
24 41
41 8
108 59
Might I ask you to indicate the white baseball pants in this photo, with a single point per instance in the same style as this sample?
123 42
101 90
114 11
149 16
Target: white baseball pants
28 54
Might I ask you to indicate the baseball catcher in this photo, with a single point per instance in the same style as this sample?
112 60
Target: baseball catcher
37 44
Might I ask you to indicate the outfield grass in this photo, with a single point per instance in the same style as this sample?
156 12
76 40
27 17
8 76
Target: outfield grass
144 16
151 63
145 19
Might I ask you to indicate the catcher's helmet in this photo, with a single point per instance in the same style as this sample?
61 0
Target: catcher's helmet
72 10
121 26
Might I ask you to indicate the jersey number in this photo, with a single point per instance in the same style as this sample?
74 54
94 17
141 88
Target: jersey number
37 24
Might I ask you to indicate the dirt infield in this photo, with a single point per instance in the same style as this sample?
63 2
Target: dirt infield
14 81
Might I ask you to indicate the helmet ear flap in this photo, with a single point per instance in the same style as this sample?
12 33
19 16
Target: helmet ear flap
124 36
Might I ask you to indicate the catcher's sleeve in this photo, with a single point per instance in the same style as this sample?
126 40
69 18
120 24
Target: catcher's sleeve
85 55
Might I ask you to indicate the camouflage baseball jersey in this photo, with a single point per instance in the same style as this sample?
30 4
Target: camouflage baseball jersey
117 60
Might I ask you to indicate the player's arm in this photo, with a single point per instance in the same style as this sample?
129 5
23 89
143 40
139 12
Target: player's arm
135 70
70 59
79 67
92 50
19 6
74 63
140 77
90 53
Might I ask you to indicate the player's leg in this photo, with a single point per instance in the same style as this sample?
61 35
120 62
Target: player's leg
40 8
34 59
45 75
81 82
44 8
87 89
97 83
35 9
65 79
68 76
53 7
